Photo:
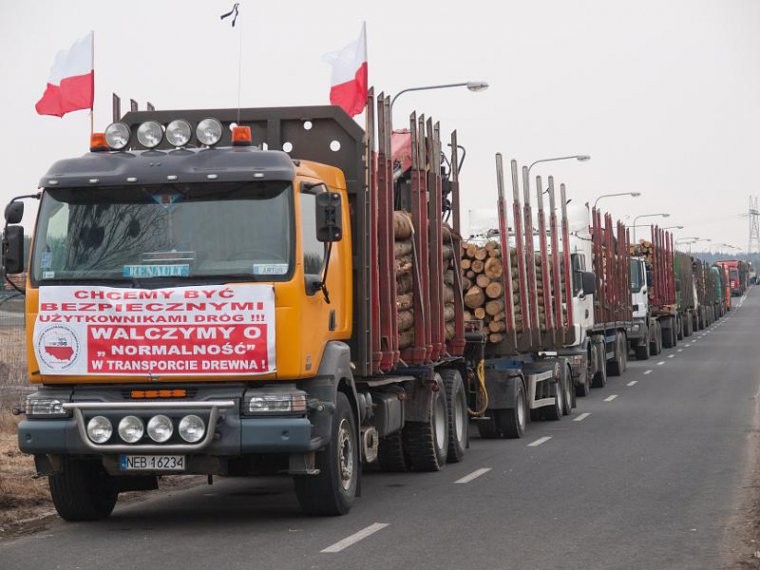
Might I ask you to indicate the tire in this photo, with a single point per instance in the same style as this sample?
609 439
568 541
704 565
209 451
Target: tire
642 351
427 443
390 454
459 424
679 329
687 328
554 413
488 429
583 388
624 351
82 490
600 378
667 334
333 491
567 386
513 422
615 366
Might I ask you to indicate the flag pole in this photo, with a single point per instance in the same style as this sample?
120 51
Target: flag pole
92 105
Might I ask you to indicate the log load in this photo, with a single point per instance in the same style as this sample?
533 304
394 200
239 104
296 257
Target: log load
403 253
484 284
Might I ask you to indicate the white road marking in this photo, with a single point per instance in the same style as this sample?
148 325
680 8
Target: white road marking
660 363
632 383
581 417
610 398
679 349
356 537
671 355
474 475
539 441
647 372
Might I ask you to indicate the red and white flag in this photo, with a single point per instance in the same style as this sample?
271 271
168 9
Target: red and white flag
349 75
71 85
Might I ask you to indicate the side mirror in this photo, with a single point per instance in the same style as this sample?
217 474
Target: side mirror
588 282
329 216
13 250
14 211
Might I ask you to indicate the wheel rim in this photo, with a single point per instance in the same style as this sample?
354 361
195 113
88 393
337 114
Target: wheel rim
560 397
345 455
439 422
459 416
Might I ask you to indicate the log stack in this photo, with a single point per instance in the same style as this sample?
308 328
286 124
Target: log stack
404 266
483 287
449 298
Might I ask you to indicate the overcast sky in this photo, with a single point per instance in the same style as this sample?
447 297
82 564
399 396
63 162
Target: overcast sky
664 95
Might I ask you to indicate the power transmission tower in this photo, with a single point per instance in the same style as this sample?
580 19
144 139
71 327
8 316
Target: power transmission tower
754 227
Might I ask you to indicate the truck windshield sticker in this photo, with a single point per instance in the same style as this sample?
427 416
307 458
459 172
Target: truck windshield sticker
48 274
166 199
156 270
270 268
197 331
46 260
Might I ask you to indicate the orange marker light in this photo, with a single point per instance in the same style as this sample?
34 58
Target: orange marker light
98 142
165 393
241 136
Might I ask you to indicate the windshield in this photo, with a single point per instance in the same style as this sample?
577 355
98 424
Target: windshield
637 279
176 231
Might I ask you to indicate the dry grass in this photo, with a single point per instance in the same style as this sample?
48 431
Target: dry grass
21 495
12 357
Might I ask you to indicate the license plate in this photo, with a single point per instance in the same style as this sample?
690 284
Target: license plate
152 462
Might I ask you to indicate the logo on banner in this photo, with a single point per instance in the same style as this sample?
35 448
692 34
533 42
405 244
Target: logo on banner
58 347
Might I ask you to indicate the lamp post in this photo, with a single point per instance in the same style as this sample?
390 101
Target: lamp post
580 157
631 194
659 215
474 86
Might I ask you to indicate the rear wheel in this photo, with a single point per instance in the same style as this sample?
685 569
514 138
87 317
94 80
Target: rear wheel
333 491
513 422
567 386
426 443
600 378
390 453
679 329
82 490
583 386
458 418
615 366
554 413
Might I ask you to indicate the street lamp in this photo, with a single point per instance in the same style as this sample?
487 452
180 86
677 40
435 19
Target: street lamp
632 194
471 85
580 157
672 228
660 215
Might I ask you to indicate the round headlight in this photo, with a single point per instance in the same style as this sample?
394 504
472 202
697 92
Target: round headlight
160 428
178 132
150 134
99 429
131 429
117 135
209 132
192 428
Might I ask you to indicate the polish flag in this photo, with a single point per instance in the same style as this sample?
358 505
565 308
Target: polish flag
349 75
72 80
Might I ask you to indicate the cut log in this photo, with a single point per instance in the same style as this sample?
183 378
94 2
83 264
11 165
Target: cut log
450 331
465 264
470 274
495 338
402 225
494 290
402 248
483 281
477 266
467 315
404 284
480 313
405 320
448 313
448 253
466 283
475 297
406 339
471 249
494 307
480 253
448 294
448 277
493 268
497 326
404 302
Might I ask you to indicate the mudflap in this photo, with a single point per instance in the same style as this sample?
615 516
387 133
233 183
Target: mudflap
502 389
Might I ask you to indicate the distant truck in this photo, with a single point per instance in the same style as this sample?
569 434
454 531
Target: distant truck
653 295
604 319
687 295
738 275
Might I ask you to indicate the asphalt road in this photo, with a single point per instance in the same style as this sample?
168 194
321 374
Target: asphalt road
646 473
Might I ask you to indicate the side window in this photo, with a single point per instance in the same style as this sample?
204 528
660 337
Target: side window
578 263
313 250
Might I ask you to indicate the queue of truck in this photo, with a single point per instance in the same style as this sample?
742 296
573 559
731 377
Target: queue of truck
279 291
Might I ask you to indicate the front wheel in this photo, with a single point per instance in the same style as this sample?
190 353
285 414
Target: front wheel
333 491
82 490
